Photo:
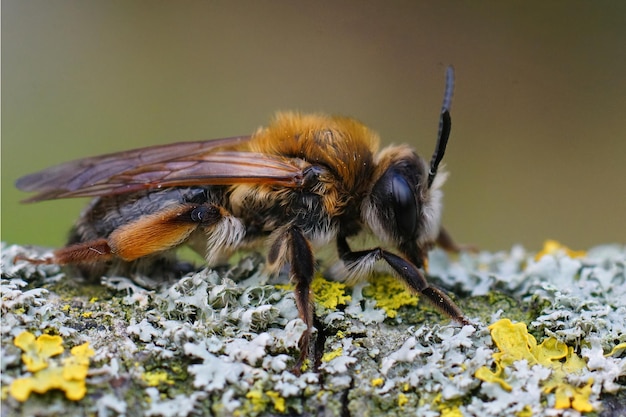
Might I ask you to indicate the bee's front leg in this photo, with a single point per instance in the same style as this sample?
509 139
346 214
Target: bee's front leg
406 270
293 247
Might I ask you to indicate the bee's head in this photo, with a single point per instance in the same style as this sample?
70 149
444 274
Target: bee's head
404 205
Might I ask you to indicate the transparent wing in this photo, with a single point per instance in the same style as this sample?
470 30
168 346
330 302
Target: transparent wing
179 164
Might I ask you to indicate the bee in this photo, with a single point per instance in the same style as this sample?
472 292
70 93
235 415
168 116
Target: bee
302 182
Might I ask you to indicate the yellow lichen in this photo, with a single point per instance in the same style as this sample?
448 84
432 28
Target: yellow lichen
515 343
156 378
76 366
453 411
552 247
45 380
402 400
330 294
306 365
390 294
50 374
568 396
329 356
284 287
37 351
259 400
279 402
616 350
377 382
447 408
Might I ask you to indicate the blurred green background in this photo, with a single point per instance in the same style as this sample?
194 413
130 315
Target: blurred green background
538 146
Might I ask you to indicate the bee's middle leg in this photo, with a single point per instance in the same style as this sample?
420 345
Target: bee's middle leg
293 247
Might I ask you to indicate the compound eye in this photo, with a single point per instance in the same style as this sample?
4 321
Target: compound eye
404 206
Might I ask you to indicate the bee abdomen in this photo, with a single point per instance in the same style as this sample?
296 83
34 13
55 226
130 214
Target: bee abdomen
106 214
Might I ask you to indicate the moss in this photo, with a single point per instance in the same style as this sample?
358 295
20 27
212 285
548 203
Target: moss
484 306
72 289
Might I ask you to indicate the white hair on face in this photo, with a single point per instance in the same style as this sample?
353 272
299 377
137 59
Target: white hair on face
432 208
353 271
371 216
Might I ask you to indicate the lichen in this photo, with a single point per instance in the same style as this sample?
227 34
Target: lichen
390 294
277 400
402 400
329 294
377 382
516 344
553 247
68 375
156 378
329 356
225 341
37 351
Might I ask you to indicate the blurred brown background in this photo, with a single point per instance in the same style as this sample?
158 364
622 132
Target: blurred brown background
538 146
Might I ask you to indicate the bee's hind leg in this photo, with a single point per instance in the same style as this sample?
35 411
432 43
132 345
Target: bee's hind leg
146 236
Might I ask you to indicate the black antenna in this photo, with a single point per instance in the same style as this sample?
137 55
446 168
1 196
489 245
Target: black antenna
445 125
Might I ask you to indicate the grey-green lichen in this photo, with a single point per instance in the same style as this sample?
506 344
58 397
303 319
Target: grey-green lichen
226 343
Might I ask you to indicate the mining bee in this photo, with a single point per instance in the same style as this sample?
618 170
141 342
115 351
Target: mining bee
295 185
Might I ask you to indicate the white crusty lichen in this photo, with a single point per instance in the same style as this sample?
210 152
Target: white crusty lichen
547 338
